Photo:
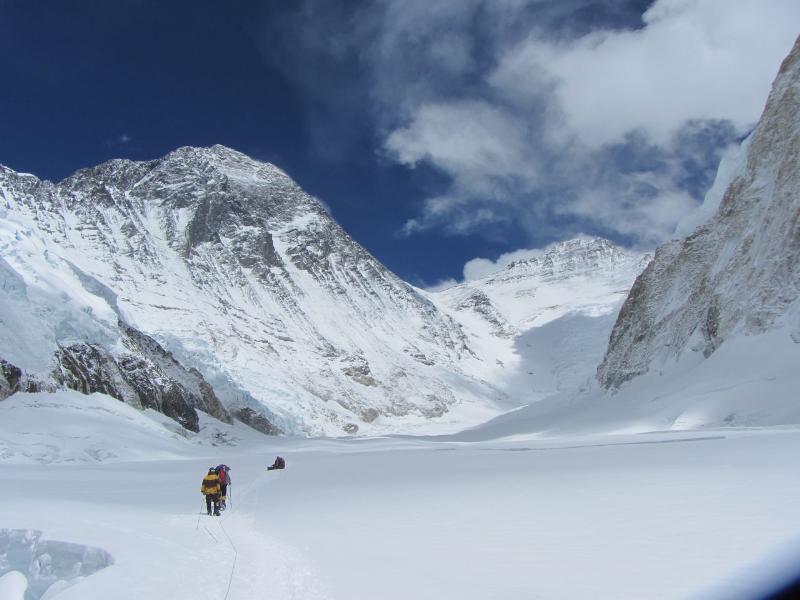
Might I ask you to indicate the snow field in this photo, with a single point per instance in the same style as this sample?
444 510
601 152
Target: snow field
652 516
659 515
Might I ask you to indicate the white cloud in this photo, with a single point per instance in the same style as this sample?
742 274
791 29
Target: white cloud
478 268
647 218
552 111
442 285
473 141
693 60
457 214
543 122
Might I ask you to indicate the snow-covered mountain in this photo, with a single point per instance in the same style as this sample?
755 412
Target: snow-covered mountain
738 273
210 281
226 266
544 322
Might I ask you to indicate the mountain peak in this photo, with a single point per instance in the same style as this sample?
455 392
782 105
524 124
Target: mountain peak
229 162
568 257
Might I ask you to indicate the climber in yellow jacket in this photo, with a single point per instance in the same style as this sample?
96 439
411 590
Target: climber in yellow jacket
210 488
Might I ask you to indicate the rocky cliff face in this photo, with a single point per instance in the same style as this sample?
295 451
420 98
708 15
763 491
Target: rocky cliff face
736 274
142 374
232 270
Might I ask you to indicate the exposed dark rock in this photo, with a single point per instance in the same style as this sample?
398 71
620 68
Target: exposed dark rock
201 394
90 368
257 421
369 415
145 377
10 377
360 372
13 379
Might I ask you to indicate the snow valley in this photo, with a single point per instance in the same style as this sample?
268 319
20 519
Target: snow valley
671 515
591 422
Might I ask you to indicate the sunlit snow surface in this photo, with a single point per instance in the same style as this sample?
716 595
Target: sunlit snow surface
659 515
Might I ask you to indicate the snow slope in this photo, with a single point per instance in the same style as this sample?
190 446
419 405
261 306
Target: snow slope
541 325
232 268
665 515
724 390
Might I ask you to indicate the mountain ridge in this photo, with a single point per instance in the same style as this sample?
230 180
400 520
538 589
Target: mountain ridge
266 261
236 273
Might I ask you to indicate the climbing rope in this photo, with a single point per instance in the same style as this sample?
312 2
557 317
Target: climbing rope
228 537
235 557
213 537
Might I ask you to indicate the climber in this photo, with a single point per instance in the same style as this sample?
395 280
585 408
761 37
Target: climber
223 472
210 489
278 464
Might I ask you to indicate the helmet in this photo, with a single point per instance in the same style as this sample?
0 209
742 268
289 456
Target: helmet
212 470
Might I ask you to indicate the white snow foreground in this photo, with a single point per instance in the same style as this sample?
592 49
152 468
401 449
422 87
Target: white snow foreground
13 585
660 515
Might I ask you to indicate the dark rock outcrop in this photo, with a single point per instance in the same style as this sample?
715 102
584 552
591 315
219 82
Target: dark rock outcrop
13 379
257 421
147 376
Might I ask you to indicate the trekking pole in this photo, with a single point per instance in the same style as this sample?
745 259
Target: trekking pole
202 501
230 494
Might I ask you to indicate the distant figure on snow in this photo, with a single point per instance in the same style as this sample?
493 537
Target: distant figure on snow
223 472
278 464
210 489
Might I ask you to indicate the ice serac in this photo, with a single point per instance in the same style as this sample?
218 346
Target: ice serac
225 264
736 274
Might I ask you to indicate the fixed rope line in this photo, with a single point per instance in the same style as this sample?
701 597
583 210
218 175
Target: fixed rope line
211 534
228 537
235 557
230 541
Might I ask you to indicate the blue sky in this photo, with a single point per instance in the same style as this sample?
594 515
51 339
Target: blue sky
437 132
